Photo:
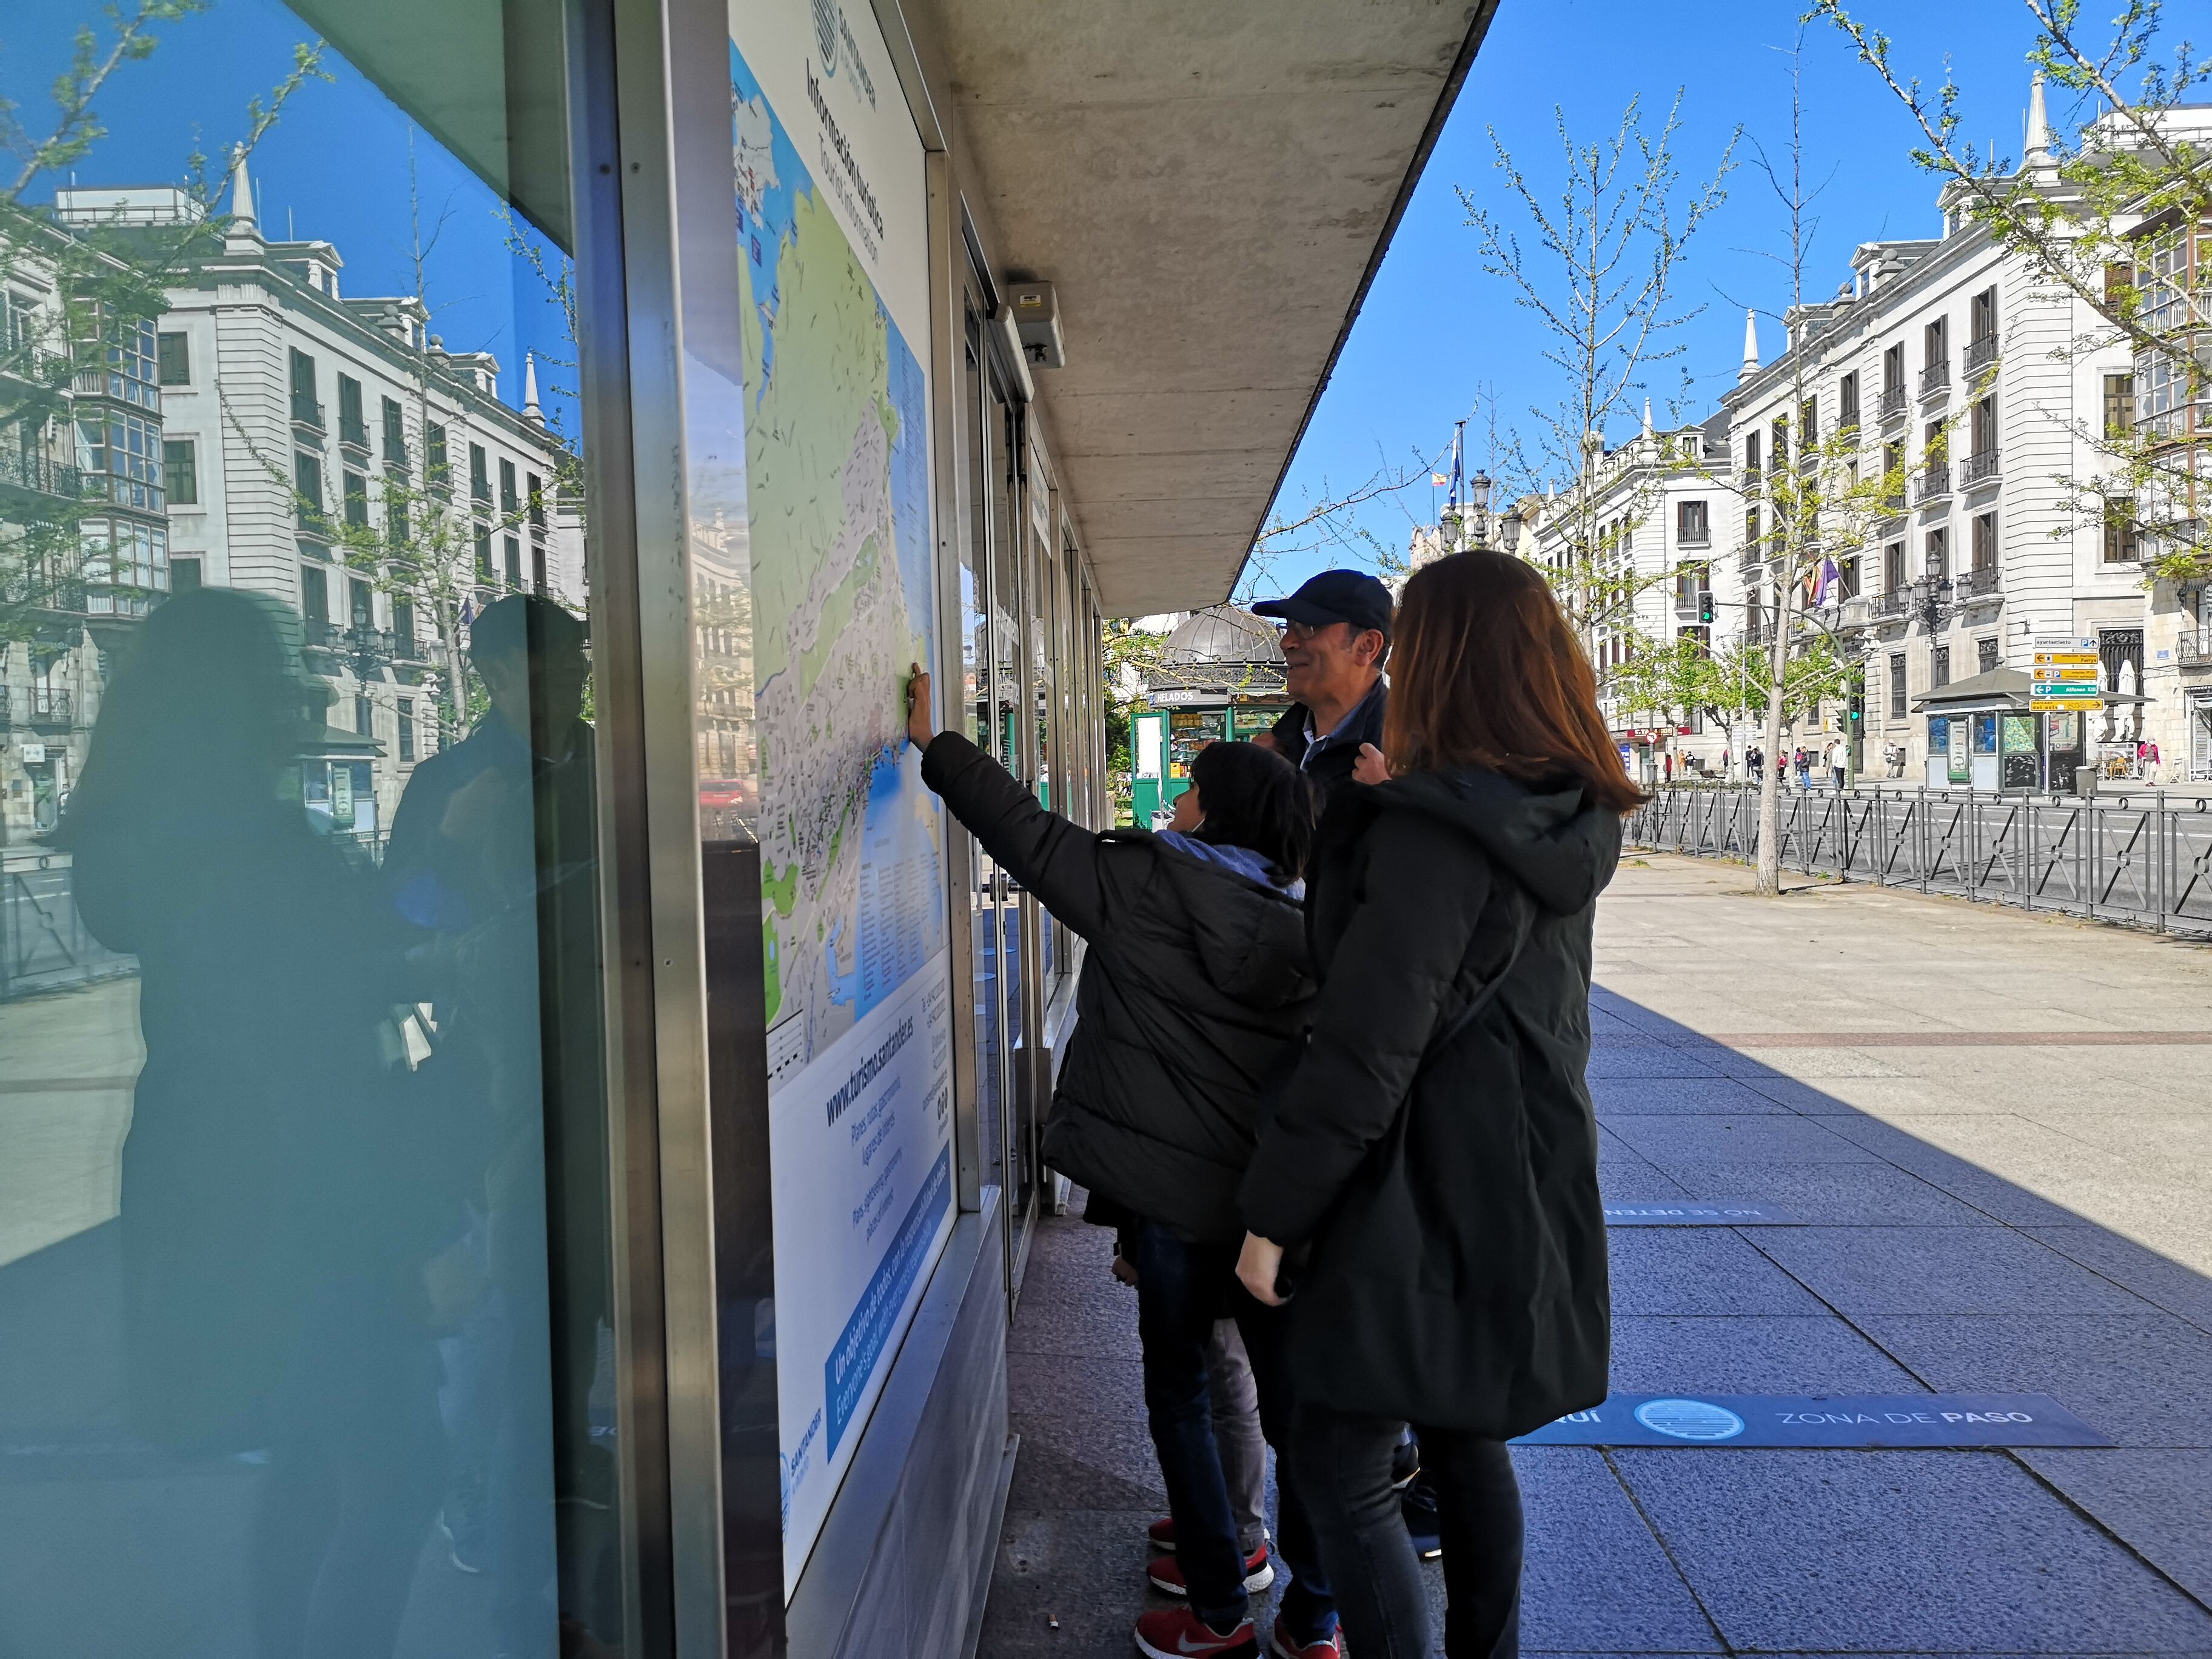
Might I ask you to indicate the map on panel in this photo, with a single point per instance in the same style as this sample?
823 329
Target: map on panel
837 462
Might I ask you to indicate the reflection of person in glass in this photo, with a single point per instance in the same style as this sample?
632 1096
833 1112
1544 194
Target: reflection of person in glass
285 1186
492 857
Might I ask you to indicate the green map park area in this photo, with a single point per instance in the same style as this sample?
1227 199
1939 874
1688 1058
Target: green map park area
837 523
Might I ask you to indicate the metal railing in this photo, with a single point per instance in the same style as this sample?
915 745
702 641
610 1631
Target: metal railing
1981 353
40 476
1935 377
2194 648
1933 483
1978 584
1890 602
1892 402
2143 857
1978 466
44 944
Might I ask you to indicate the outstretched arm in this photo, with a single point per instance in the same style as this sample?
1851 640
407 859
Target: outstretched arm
1062 862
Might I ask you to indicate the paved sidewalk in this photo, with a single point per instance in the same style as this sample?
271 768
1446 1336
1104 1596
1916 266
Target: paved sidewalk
1992 1206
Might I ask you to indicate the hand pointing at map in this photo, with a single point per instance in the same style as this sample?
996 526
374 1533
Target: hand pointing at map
918 726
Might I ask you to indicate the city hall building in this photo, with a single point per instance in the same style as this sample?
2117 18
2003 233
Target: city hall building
522 1113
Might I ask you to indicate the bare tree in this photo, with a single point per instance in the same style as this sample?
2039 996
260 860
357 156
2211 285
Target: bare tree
1602 279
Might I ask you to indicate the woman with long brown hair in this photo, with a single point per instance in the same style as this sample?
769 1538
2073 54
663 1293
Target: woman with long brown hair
1435 1148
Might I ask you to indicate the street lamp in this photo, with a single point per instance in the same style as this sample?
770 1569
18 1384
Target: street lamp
1931 595
1477 495
1509 525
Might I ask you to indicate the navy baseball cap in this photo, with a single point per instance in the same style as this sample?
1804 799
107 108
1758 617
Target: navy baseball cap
1336 596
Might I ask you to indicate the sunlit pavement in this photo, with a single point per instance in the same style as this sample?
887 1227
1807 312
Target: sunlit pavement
1989 1206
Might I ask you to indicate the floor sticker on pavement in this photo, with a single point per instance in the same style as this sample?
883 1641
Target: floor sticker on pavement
1782 1420
1687 1213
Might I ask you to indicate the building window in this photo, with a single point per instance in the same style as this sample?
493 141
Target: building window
1985 655
353 425
1985 541
483 553
1751 454
395 437
126 451
184 575
180 474
479 475
406 728
513 548
538 568
1985 427
1938 566
437 474
395 513
1892 474
308 485
1808 425
305 408
1897 685
356 502
1892 369
536 491
1847 577
2119 530
175 354
510 503
360 603
1691 528
1751 536
1936 345
1939 667
315 597
2120 655
2119 404
1781 434
1982 314
1847 402
403 630
1892 567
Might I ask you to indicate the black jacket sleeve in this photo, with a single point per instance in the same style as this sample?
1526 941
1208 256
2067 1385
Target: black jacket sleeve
1387 986
1061 862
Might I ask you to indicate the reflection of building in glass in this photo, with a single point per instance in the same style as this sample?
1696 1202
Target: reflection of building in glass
82 538
331 452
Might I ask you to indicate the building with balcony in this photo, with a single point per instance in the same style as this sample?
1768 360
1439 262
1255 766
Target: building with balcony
1640 537
1959 370
356 469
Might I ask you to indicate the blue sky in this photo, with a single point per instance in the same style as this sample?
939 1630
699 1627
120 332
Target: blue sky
335 166
1435 332
1435 329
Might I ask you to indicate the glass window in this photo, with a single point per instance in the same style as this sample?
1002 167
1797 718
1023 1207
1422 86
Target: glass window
513 548
437 473
1985 655
484 571
176 360
353 426
1897 686
1939 666
509 505
180 471
479 475
305 1300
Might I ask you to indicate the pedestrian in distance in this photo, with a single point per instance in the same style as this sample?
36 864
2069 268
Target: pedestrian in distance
1433 1157
1336 637
1838 763
1803 762
1194 995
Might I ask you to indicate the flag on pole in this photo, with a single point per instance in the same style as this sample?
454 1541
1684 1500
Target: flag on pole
1436 480
1825 584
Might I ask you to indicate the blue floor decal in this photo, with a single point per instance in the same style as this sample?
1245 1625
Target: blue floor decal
1684 1213
1782 1419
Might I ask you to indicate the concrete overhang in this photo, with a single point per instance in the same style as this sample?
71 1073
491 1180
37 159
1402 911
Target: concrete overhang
1210 188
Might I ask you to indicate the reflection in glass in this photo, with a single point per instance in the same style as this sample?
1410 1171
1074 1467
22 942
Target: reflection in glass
304 1273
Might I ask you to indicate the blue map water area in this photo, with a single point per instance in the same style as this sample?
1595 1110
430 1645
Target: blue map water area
762 239
902 885
910 484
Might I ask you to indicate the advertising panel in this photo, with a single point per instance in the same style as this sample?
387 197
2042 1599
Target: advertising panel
831 222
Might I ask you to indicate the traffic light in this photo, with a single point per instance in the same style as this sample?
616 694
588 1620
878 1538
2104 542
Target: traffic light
1705 605
1858 709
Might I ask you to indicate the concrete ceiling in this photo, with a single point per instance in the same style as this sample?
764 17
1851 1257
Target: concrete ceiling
1209 186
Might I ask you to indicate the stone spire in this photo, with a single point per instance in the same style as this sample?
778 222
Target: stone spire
1647 418
531 409
1750 347
242 193
2038 146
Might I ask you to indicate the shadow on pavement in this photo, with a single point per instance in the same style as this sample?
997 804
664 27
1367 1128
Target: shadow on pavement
1914 1270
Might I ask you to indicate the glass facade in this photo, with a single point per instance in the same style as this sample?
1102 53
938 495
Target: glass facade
305 1256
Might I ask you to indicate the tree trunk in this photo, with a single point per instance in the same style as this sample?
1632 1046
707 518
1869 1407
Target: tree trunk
1769 877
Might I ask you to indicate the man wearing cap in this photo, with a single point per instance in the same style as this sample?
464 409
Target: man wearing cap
1336 635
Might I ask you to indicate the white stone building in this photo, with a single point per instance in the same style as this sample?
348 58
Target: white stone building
1980 378
1658 508
291 410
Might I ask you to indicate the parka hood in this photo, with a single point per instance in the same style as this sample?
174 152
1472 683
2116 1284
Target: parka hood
1558 843
1251 937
